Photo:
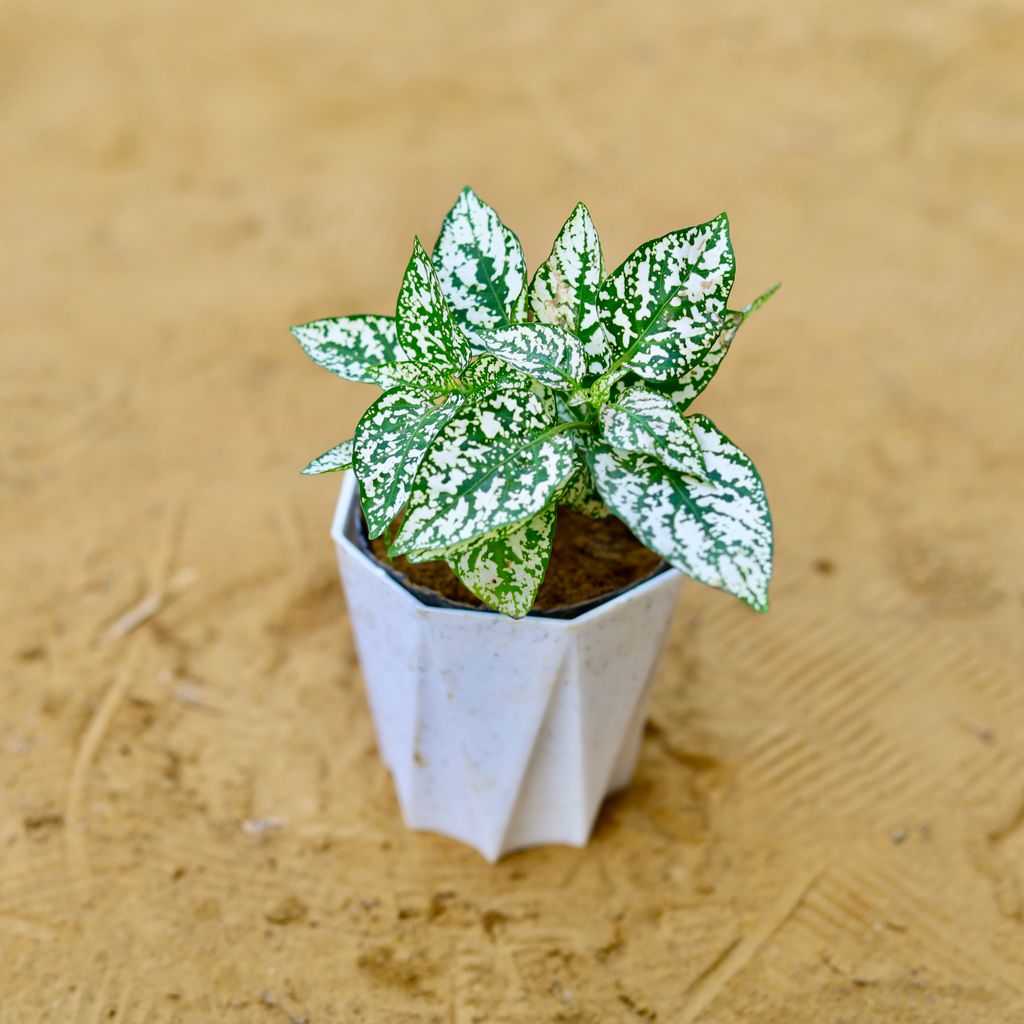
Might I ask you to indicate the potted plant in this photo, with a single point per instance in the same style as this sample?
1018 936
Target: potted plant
520 416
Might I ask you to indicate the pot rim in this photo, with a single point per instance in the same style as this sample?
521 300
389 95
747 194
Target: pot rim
663 577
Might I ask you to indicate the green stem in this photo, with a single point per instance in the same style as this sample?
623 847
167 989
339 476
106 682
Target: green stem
563 427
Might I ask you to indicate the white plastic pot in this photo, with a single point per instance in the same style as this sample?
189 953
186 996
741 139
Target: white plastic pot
501 733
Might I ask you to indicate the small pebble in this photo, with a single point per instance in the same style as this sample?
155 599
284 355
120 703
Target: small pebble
259 826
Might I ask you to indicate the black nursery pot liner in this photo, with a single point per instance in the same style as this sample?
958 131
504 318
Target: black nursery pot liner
356 529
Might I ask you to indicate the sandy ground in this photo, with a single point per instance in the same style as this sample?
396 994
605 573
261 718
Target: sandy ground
828 822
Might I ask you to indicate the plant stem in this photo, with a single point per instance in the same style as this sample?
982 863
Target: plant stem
575 425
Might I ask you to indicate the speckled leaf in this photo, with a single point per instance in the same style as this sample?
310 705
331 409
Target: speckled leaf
487 373
479 263
550 355
506 568
411 373
350 346
665 303
521 312
564 288
581 495
390 442
498 462
427 330
641 420
563 410
686 388
717 530
603 388
339 457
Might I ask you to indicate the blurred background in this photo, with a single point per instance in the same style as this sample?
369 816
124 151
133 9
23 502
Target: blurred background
194 824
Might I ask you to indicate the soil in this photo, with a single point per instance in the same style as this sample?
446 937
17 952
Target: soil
590 559
195 822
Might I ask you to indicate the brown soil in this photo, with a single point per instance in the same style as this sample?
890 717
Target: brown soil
827 822
590 558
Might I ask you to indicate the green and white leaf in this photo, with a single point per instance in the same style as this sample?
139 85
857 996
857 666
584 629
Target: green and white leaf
487 373
498 462
350 346
506 568
564 289
479 263
718 531
550 355
686 388
666 302
581 495
521 312
390 441
412 373
427 331
641 420
579 492
563 410
602 388
339 457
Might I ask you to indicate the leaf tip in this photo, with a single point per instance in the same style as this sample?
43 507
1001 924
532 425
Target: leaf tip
759 602
372 532
468 197
753 307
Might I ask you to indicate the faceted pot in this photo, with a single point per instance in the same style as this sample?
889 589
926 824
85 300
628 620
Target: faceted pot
501 733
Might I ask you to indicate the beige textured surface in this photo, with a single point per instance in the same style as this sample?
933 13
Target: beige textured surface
827 824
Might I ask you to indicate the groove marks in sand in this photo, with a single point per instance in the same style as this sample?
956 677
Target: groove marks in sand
882 728
843 715
873 935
